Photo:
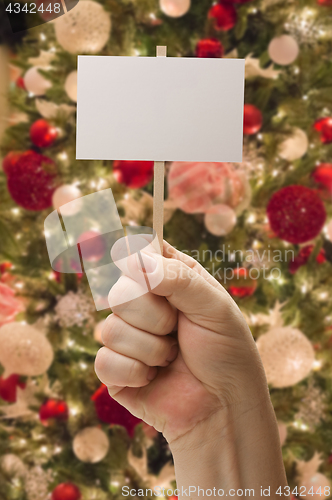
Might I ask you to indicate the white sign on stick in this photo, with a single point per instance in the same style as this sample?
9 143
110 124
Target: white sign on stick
160 108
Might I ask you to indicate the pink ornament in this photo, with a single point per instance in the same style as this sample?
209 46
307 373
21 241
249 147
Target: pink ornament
195 187
9 304
220 220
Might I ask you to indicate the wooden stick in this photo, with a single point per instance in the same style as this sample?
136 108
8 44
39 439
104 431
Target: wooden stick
158 183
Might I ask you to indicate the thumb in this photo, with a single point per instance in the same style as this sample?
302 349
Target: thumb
184 283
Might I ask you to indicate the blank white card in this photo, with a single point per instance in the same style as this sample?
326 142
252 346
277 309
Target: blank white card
160 108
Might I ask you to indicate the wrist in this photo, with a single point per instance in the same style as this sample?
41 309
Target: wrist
238 447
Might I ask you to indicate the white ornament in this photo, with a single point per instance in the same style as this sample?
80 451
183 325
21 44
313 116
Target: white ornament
220 220
64 194
282 428
71 86
174 8
12 465
97 331
37 483
35 83
74 309
84 29
313 483
91 445
295 146
287 356
24 350
283 50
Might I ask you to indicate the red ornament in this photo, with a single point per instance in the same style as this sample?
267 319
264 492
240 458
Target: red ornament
20 83
252 119
8 387
32 181
134 174
11 159
111 412
324 127
303 256
53 408
209 47
323 176
325 3
330 459
42 134
224 16
66 491
93 246
242 285
296 214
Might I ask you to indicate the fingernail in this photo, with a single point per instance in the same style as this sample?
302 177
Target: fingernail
173 353
149 263
152 373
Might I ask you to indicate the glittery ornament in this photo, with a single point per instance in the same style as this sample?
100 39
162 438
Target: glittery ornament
296 214
42 134
295 146
37 482
35 82
66 491
209 47
24 350
224 16
32 181
134 174
85 29
252 119
283 50
312 407
303 26
111 412
74 309
91 445
220 220
324 127
71 86
174 8
11 159
287 356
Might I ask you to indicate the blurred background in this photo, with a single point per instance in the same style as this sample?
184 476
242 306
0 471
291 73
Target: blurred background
261 227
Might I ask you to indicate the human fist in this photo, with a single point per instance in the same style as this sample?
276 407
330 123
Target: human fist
179 353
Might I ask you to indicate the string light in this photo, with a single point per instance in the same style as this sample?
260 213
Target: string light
15 211
251 219
317 365
42 36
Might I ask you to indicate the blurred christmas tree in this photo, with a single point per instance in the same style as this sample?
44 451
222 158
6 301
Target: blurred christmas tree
260 227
